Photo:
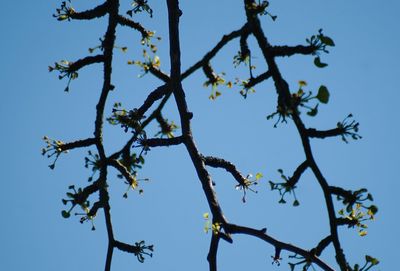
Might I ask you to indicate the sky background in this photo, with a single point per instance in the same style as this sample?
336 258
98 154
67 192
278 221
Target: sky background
362 77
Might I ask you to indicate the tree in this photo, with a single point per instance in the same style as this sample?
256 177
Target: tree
128 160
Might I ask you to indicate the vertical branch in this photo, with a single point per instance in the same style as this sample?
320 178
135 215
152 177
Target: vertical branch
212 254
108 45
173 16
285 101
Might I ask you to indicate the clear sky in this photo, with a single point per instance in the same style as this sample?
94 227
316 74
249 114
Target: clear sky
362 77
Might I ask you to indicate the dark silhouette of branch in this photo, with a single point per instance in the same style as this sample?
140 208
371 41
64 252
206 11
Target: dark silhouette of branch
159 74
130 157
285 101
261 234
137 26
77 65
155 95
78 144
324 243
297 173
207 57
173 19
256 80
323 134
212 253
228 166
123 170
97 12
292 50
162 142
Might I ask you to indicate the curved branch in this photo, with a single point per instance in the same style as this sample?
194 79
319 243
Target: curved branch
261 234
207 57
134 25
228 166
155 95
77 65
324 243
97 12
285 102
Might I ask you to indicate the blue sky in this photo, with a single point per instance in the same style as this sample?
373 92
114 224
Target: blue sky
362 79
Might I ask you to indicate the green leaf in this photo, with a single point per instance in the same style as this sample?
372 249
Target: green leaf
65 214
323 94
327 41
373 209
296 203
313 112
318 63
371 260
362 233
258 176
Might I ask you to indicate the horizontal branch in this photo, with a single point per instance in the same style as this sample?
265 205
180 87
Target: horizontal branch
228 166
126 248
338 191
261 234
311 132
97 12
77 144
292 50
207 57
341 221
161 142
77 65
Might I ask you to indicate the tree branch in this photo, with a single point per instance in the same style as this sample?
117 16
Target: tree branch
292 50
323 134
162 142
134 25
256 80
261 234
324 243
212 253
155 95
285 102
97 12
208 56
77 65
173 17
228 166
78 144
297 173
